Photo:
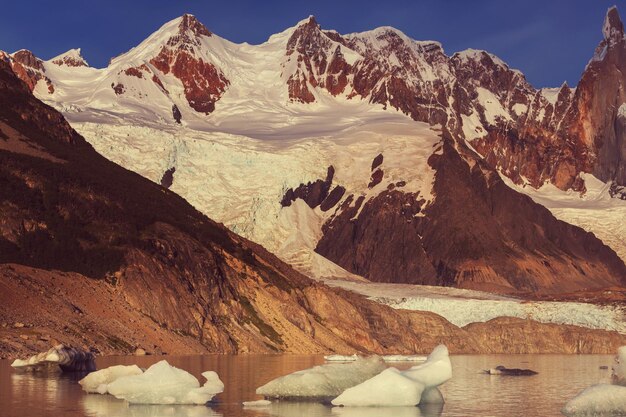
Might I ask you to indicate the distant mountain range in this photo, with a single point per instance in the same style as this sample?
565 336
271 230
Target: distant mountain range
370 154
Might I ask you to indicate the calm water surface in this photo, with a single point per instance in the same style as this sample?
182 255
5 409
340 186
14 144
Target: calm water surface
469 393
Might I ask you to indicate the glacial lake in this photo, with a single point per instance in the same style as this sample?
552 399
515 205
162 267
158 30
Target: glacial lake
469 393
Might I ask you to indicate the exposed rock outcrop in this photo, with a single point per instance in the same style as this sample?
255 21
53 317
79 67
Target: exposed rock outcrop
477 233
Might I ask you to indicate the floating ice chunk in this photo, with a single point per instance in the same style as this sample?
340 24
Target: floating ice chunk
388 388
69 359
404 358
98 381
386 358
165 384
619 368
601 399
340 358
324 381
257 403
432 396
435 371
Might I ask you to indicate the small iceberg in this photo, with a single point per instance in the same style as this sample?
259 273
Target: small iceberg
386 358
618 376
603 399
257 403
404 358
164 384
435 371
322 382
388 388
67 358
341 358
96 382
395 388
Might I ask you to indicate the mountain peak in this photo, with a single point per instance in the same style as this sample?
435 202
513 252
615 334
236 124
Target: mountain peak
309 22
71 58
190 22
613 26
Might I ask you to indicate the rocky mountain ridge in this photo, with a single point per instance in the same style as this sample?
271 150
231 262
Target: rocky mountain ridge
493 123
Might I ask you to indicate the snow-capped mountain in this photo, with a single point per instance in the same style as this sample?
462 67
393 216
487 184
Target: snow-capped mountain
370 153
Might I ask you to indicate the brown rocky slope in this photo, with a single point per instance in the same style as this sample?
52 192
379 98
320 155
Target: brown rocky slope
94 255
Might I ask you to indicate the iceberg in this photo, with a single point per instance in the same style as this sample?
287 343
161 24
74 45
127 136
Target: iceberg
322 382
618 376
404 358
388 388
164 384
341 358
67 358
386 358
602 399
96 382
257 403
394 388
435 371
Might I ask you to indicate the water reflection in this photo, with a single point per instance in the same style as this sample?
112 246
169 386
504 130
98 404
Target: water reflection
310 409
107 406
468 394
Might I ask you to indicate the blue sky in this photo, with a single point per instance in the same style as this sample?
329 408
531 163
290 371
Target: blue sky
549 40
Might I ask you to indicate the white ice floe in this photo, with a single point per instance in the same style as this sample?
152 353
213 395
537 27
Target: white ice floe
341 358
324 381
389 388
96 382
257 403
603 399
386 358
619 368
435 371
165 384
69 359
396 388
404 358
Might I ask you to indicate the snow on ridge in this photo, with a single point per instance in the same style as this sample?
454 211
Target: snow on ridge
74 54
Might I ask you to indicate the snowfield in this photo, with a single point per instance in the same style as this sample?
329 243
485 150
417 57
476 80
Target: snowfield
462 307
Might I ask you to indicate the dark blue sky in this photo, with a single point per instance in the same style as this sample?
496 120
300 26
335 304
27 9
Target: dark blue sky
549 40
